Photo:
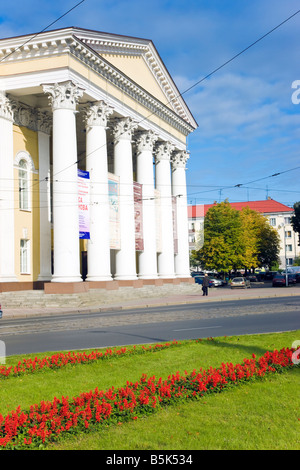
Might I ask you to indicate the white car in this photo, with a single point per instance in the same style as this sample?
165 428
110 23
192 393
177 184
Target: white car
240 282
216 282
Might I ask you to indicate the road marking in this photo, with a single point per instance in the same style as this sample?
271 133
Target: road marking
203 328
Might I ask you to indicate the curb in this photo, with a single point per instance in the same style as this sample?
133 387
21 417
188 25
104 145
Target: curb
112 308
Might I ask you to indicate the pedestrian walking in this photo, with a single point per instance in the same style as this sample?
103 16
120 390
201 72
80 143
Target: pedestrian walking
205 284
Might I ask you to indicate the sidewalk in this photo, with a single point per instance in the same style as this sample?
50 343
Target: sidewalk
130 298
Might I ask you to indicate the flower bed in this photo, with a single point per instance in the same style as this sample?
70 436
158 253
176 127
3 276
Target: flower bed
45 421
60 360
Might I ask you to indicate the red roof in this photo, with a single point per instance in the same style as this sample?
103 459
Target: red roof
267 206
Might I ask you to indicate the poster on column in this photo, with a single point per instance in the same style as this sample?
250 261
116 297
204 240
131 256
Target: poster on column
158 220
114 214
84 204
138 216
175 235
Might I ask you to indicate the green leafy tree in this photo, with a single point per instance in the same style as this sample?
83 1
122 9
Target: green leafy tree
261 241
295 220
222 247
268 246
249 237
237 239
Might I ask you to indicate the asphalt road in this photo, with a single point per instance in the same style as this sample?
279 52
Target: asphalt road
151 325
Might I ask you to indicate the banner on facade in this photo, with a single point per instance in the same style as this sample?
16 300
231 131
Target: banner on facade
84 204
138 216
175 234
158 220
114 214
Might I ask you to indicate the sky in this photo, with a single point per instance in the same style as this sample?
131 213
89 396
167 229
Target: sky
247 109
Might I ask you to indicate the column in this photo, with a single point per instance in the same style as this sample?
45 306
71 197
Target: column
163 184
182 263
7 229
125 257
98 246
145 176
64 97
44 127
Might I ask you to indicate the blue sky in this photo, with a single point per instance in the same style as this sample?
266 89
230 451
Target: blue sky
249 128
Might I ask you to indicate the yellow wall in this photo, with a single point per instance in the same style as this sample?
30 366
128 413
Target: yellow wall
136 68
27 141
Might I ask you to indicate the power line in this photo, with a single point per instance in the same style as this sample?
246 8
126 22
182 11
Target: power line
240 53
239 185
180 94
43 30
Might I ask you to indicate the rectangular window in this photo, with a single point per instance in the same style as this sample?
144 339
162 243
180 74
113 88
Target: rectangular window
24 256
288 234
273 221
23 187
288 247
289 261
287 220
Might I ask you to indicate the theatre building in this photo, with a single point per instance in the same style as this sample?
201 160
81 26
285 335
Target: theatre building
92 163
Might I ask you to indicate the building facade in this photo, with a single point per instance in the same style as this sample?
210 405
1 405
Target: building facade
92 161
278 215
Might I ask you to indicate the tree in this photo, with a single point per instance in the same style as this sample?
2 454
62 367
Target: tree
222 248
251 221
295 220
237 239
261 241
268 246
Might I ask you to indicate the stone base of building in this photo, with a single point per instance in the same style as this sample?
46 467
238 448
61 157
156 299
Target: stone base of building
20 286
80 287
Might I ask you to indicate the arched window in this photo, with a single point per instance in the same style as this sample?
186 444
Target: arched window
23 185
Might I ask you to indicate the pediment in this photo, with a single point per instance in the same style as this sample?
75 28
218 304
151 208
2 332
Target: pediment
138 60
132 64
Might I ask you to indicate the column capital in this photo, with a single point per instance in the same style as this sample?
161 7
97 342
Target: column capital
6 110
164 151
179 159
63 95
123 128
145 141
97 114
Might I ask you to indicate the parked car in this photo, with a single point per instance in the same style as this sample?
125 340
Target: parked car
240 282
280 280
197 273
252 278
216 282
199 280
270 275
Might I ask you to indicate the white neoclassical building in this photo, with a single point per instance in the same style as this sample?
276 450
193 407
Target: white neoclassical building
92 163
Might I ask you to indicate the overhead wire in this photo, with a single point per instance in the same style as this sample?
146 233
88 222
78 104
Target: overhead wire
199 81
43 30
179 95
239 185
204 78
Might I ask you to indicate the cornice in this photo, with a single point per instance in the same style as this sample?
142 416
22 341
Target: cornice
65 41
92 59
123 45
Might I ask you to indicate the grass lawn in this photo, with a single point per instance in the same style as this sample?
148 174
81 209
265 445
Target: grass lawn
260 415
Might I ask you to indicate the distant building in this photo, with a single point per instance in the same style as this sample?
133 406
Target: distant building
279 216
